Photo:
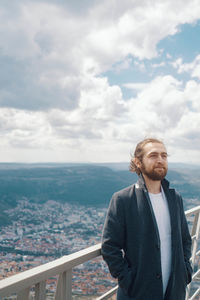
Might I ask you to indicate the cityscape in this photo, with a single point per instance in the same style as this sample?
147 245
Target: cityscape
41 233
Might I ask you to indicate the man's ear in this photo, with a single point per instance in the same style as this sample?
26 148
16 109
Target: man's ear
137 162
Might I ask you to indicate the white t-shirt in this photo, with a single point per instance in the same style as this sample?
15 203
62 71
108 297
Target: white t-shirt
161 212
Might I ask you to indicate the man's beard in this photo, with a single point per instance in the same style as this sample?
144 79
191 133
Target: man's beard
154 174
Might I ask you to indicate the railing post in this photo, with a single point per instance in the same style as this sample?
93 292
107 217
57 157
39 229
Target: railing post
23 295
64 286
195 234
58 294
68 282
40 291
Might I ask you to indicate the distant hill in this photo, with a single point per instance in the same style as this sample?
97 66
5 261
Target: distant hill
85 184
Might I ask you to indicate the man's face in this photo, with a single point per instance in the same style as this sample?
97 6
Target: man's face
154 164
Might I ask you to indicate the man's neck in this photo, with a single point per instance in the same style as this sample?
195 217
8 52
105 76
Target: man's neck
153 186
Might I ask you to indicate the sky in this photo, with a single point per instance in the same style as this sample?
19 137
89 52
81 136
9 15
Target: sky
85 81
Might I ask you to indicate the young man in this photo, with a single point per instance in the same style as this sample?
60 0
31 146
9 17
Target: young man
146 241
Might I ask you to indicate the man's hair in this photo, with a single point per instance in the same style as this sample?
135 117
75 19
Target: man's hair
139 153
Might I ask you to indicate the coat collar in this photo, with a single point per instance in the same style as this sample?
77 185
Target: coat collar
141 183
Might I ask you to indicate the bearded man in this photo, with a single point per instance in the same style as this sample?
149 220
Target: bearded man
146 241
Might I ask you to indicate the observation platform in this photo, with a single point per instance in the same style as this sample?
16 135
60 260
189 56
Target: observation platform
31 284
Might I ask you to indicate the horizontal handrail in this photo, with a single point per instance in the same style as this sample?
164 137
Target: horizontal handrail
30 277
192 211
108 294
195 294
196 274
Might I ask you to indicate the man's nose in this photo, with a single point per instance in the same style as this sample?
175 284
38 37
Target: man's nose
160 158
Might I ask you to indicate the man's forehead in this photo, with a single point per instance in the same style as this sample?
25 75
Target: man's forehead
154 147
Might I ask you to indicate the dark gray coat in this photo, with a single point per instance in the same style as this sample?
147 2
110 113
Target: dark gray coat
131 245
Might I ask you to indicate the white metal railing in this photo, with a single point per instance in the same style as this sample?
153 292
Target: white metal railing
20 284
195 258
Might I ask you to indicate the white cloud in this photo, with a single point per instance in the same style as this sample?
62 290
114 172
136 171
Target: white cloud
23 128
140 65
177 64
186 138
192 68
104 122
162 64
99 105
47 43
162 108
53 94
123 65
162 96
135 86
192 93
168 56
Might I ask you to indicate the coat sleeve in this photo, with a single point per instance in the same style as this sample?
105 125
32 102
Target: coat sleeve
113 241
186 241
